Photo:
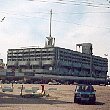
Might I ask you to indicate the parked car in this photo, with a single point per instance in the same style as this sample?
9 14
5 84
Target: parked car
54 83
84 93
7 89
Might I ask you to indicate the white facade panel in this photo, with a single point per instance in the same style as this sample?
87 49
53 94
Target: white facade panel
10 63
22 62
27 70
19 74
34 62
2 73
47 62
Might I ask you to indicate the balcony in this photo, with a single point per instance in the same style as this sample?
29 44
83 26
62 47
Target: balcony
23 63
34 62
48 62
12 63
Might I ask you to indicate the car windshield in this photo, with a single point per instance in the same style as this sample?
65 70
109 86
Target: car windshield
85 88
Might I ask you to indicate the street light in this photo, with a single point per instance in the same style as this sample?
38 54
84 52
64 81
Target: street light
2 19
106 77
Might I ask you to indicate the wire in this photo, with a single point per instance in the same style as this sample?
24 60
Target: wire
58 12
89 4
27 16
92 12
67 22
86 3
58 20
83 25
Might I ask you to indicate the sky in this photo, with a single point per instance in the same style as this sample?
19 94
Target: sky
26 24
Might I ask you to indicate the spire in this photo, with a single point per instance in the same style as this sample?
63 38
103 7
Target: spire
50 40
50 22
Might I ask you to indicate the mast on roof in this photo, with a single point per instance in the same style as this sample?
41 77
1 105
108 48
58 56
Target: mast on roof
50 40
50 21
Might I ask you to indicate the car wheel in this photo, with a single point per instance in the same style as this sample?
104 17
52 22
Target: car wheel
75 100
93 101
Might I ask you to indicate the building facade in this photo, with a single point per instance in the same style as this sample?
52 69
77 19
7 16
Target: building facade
56 61
52 60
1 65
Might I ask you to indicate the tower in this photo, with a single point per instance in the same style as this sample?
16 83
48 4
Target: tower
50 41
86 48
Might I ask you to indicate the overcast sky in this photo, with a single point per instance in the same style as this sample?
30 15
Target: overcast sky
26 24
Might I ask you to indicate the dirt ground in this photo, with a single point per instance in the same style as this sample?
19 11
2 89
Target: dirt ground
60 98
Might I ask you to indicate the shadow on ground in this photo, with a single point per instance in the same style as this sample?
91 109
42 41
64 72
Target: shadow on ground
17 99
99 103
96 103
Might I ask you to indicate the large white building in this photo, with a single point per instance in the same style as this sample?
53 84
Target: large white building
51 61
57 61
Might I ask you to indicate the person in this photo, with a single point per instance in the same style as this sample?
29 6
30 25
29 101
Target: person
21 94
12 84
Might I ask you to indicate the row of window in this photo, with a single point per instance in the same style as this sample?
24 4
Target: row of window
36 59
39 55
30 51
64 60
82 60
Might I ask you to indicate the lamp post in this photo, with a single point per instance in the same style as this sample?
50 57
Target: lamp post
2 19
91 65
91 61
106 76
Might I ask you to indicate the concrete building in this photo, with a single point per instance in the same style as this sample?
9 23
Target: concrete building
1 64
58 61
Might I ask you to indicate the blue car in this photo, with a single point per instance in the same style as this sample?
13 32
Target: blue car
84 93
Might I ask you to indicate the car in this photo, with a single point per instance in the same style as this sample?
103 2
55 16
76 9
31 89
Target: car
36 82
7 89
54 83
84 93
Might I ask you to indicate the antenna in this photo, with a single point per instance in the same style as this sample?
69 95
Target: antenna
50 22
50 40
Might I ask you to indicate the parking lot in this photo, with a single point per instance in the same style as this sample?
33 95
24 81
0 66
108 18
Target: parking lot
60 98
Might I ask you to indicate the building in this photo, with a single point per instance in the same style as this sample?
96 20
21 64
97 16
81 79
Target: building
1 65
52 60
57 62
